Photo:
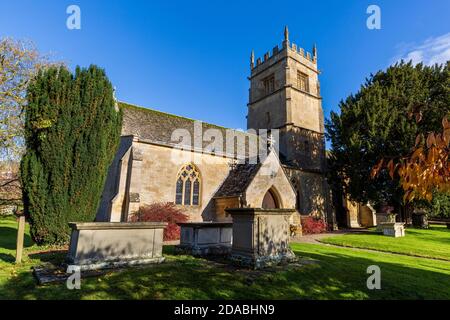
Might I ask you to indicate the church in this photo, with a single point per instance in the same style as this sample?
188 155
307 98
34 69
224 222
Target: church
153 166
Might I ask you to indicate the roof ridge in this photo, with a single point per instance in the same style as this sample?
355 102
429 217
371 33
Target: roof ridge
128 105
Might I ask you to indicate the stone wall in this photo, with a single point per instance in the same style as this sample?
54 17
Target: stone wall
359 215
268 113
304 109
152 175
303 149
312 190
352 214
154 178
367 217
220 204
114 195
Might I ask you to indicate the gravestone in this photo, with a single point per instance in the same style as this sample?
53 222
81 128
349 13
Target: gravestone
420 219
261 237
384 218
205 238
100 245
393 229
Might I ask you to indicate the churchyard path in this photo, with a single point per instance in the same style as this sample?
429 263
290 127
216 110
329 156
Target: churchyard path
315 238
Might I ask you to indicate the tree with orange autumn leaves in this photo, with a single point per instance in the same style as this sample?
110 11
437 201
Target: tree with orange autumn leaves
426 169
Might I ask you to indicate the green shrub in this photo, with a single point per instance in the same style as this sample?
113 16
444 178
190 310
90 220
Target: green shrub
72 130
440 206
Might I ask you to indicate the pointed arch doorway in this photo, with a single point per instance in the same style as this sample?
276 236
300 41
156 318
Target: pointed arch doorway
270 200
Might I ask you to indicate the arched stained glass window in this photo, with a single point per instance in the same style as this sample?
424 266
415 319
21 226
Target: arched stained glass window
187 192
179 192
188 186
196 193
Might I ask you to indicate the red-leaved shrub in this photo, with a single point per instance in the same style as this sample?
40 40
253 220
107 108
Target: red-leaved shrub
311 225
162 212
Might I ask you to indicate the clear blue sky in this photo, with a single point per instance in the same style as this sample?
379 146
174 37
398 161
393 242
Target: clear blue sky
192 57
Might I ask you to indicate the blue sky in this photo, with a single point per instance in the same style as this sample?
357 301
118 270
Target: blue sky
192 57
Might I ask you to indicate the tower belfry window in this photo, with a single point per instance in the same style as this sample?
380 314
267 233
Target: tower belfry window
302 81
269 84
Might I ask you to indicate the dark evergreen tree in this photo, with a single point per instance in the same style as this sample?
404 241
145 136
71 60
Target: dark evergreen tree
376 123
72 130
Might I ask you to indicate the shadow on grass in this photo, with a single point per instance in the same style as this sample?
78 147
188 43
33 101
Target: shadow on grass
7 257
168 250
400 280
51 256
8 238
336 276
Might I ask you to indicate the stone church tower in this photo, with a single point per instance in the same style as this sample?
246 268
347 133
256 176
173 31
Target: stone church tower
285 95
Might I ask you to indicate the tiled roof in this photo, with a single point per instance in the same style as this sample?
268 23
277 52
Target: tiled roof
238 180
157 126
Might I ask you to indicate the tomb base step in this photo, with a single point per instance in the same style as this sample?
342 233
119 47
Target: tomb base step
115 264
214 250
262 261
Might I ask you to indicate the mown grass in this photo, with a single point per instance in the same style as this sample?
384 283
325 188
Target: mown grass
334 273
428 243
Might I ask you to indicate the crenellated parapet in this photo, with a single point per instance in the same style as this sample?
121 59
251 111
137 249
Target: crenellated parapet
279 52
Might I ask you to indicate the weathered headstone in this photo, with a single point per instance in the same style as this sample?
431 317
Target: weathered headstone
99 245
420 219
261 236
393 229
384 218
205 238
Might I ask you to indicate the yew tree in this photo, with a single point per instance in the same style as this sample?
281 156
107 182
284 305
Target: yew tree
376 123
72 130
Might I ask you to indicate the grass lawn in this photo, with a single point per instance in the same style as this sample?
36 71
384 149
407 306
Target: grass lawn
431 243
335 273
